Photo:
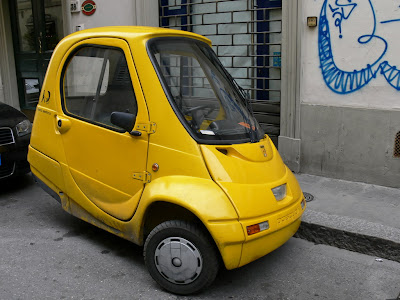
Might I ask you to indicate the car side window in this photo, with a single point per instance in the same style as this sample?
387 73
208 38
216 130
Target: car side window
96 83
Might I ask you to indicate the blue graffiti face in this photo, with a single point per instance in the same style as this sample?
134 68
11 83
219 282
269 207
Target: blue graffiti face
357 42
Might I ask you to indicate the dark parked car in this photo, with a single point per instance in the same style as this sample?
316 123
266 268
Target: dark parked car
15 132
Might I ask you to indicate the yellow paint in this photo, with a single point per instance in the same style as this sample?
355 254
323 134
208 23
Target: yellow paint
94 169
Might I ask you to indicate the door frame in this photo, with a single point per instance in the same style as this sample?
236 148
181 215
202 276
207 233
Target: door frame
38 10
16 43
7 61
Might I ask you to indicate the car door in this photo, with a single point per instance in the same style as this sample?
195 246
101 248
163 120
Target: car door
99 78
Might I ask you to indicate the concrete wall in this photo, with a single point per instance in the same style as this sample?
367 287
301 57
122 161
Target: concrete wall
350 90
350 143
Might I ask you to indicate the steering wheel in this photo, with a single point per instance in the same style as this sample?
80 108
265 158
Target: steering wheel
197 117
195 108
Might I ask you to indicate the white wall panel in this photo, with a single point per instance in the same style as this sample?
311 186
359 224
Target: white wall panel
352 57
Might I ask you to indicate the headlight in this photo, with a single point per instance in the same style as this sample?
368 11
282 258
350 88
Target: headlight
279 192
23 128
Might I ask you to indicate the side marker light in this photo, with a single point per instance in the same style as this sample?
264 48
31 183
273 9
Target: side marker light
256 228
155 167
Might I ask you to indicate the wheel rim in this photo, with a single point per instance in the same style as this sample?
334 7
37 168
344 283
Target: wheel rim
178 260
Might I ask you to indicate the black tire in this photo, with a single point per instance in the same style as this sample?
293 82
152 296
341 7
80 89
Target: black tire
195 246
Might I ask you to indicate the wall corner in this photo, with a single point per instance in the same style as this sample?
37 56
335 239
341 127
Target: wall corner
289 141
290 151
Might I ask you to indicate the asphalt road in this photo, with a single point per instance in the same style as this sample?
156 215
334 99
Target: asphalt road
47 254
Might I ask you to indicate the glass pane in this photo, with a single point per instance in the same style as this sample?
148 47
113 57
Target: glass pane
203 93
25 26
97 83
31 91
54 23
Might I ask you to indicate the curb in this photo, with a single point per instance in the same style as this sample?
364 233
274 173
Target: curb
356 242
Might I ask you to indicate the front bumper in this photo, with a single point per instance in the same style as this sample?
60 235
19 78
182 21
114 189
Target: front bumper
14 158
256 248
238 249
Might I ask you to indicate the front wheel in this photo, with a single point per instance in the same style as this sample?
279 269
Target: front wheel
181 257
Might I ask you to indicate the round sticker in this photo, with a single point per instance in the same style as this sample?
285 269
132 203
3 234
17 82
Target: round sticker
88 7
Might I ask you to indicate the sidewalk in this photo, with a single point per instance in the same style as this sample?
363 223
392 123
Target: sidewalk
356 216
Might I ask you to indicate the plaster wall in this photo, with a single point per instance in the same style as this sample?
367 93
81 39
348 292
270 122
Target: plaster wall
117 13
351 58
350 90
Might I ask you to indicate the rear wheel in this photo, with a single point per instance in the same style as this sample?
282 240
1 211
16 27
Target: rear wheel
181 257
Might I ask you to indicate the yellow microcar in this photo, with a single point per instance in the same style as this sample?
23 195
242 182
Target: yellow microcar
142 132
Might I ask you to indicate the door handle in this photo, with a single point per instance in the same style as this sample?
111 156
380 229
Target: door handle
63 124
40 42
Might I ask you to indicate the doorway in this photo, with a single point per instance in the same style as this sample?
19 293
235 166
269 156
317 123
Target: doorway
37 27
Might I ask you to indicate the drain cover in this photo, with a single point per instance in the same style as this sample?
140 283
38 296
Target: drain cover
308 197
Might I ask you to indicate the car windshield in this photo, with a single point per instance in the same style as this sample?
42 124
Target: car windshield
205 97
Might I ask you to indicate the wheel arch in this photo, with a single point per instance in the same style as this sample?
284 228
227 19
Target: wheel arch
198 200
161 211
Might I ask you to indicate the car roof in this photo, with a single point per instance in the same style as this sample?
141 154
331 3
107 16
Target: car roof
134 32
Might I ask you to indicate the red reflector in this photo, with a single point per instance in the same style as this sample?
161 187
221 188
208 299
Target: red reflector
155 167
253 229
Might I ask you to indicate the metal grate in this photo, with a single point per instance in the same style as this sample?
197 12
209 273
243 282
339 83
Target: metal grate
6 136
309 197
246 35
396 152
7 170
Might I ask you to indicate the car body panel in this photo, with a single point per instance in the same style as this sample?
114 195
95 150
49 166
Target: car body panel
97 172
10 116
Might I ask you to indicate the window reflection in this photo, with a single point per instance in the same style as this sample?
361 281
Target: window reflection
54 23
52 32
25 26
31 91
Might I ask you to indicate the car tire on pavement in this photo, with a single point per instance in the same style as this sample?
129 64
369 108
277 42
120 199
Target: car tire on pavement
181 257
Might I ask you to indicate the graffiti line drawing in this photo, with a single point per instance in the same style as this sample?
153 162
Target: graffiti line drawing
342 81
390 21
45 99
339 13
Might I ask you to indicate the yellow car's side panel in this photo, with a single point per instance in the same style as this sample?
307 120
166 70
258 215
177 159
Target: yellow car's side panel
202 197
73 194
174 162
106 197
52 174
170 133
103 164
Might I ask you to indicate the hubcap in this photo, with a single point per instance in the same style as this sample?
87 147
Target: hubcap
178 260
